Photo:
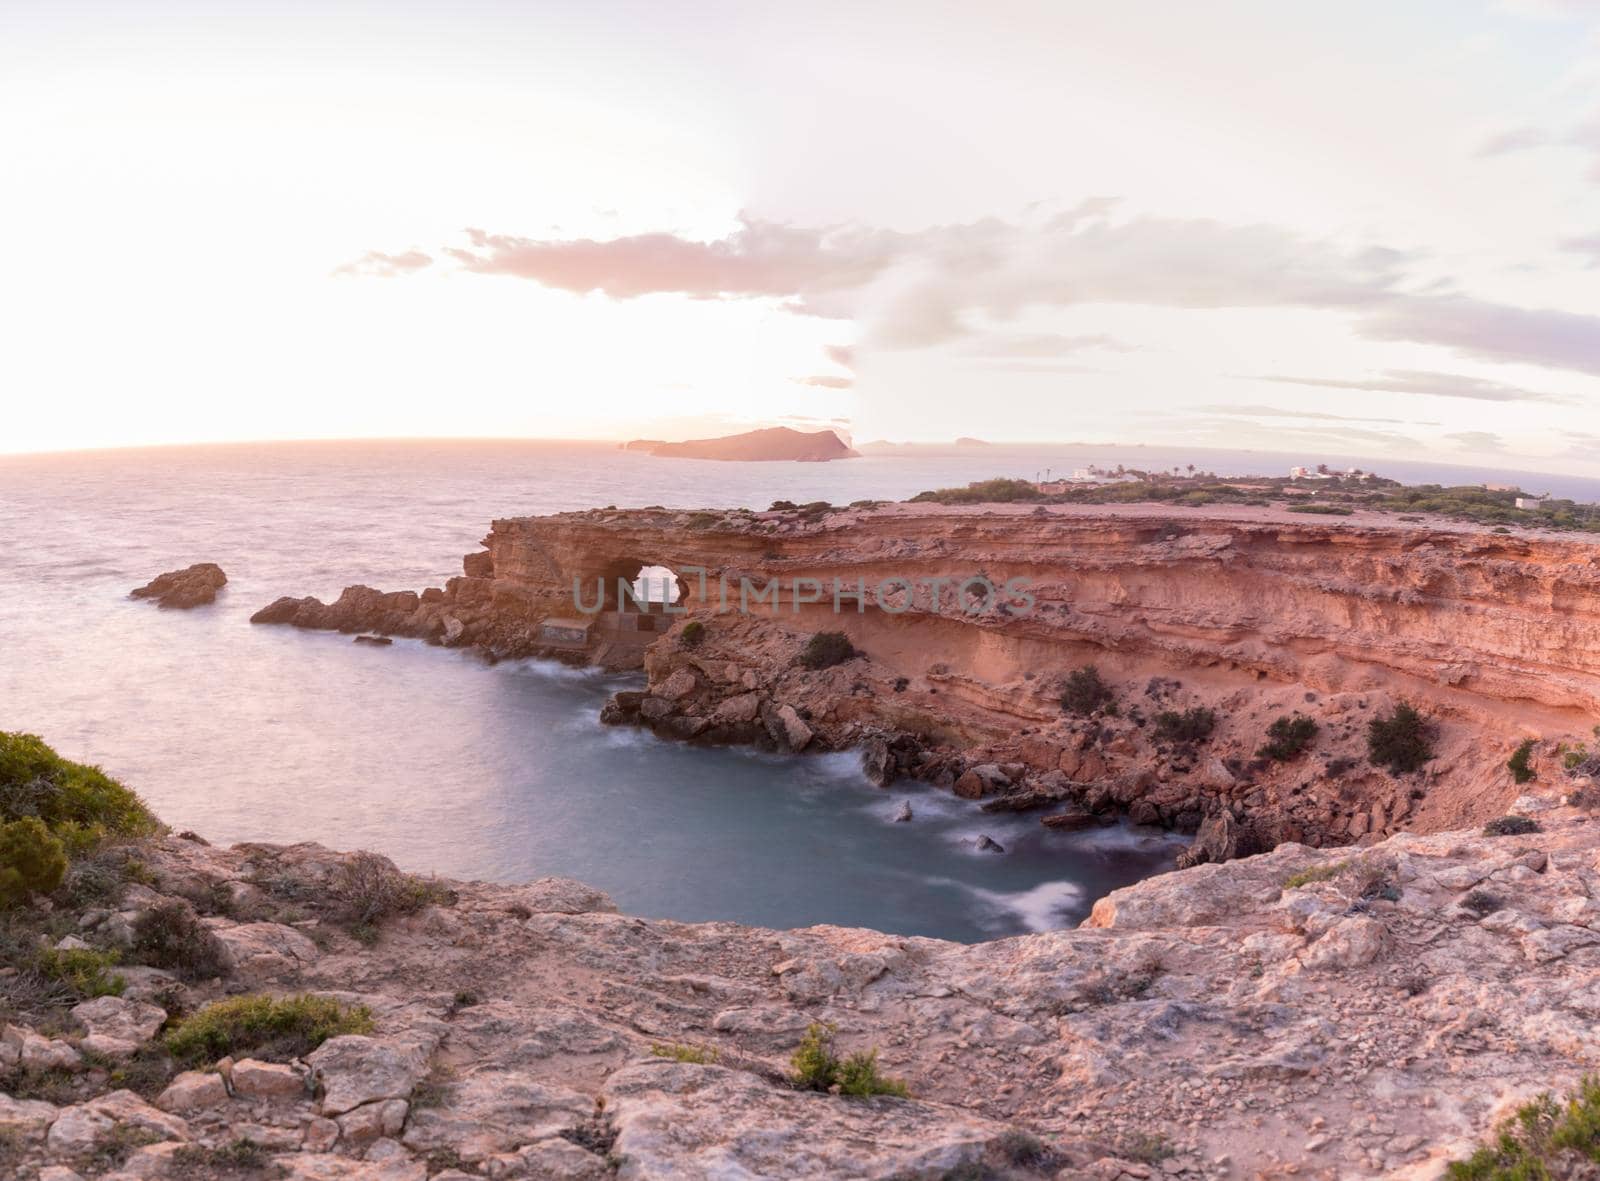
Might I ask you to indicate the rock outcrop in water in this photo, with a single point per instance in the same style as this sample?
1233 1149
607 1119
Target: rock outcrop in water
193 586
1250 614
1305 1012
768 444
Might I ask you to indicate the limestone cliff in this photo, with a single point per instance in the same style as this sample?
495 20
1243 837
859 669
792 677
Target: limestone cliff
1247 612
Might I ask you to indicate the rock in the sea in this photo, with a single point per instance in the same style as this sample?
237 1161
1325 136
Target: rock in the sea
987 844
1217 840
1069 821
194 586
982 780
904 813
380 641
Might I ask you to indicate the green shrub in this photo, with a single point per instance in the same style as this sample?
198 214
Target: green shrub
169 935
32 861
1400 741
1482 902
1289 738
1321 510
259 1026
1542 1141
693 634
683 1052
1192 725
1510 826
826 649
1319 873
81 805
1521 770
818 1068
85 971
782 506
1086 692
999 491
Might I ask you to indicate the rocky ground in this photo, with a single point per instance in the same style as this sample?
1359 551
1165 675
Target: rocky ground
1314 1013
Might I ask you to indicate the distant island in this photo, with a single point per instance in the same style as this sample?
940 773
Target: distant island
770 443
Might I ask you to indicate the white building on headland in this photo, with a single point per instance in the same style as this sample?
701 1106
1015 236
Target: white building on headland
1532 503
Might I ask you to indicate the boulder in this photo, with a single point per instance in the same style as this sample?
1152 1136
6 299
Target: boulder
738 709
260 951
1069 821
982 780
324 1166
788 729
354 1069
193 1090
24 1117
987 844
679 685
193 586
904 814
266 1080
120 1018
877 763
31 1049
1217 840
80 1128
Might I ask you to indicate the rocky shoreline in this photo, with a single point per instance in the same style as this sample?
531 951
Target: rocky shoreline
1308 1013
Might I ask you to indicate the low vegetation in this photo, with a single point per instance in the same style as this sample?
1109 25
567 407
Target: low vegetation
32 861
367 889
1289 738
80 805
826 649
1521 770
818 1068
85 971
693 633
1482 902
684 1052
997 491
1510 826
1544 1140
1400 740
1191 726
170 935
258 1026
1086 692
1319 873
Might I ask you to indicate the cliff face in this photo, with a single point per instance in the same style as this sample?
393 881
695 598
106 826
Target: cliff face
1474 618
1250 614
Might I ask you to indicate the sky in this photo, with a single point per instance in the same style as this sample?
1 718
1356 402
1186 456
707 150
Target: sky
1367 228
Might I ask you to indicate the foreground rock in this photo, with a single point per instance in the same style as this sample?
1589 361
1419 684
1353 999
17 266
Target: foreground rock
194 586
1320 1013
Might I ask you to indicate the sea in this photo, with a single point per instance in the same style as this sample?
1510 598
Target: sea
499 772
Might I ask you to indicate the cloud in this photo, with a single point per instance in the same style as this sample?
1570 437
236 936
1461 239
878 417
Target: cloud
841 355
1588 248
1477 440
1514 139
1492 332
375 264
1275 412
828 383
954 283
1422 381
1043 344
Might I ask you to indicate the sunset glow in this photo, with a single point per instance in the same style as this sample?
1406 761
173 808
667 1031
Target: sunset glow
1370 229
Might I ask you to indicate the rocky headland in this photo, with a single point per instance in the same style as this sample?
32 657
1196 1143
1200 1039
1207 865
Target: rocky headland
1207 627
770 444
172 1009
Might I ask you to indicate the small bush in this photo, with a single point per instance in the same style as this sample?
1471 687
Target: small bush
86 972
1542 1140
1482 902
1321 510
826 649
1400 741
238 1158
683 1052
818 1068
693 634
1319 873
1085 692
1510 826
1289 738
32 861
80 804
1192 725
169 935
1521 771
782 506
258 1026
368 889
